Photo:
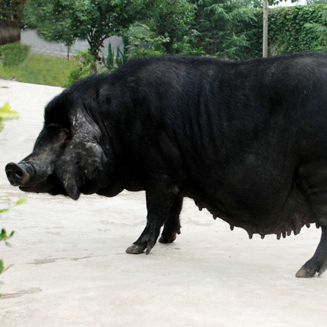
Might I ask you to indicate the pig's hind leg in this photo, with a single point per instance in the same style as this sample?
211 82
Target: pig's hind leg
314 183
172 225
318 263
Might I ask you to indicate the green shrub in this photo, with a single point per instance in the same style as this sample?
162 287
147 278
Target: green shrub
114 61
144 53
186 48
13 54
143 42
84 59
4 237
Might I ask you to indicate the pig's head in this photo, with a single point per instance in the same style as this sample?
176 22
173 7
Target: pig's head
68 157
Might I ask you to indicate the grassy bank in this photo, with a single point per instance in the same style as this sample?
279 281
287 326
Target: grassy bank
40 69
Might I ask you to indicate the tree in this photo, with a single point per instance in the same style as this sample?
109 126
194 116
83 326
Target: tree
170 28
320 30
173 19
93 20
53 20
11 9
141 41
220 25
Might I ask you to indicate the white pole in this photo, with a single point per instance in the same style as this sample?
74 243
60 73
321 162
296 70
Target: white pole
265 29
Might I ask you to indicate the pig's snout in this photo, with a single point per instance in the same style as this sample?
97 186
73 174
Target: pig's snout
17 174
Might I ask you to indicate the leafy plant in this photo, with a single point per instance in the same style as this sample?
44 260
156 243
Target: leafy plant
9 204
85 60
320 29
221 25
114 60
186 47
7 113
11 9
173 20
4 237
143 42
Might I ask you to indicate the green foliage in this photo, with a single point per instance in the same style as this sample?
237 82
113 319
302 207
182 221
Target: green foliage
168 29
113 60
289 31
84 59
144 53
9 204
4 237
13 54
221 27
173 20
143 42
187 47
7 113
11 9
320 29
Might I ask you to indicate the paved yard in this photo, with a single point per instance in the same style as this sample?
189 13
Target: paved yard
70 267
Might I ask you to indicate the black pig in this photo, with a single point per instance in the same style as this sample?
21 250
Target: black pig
246 140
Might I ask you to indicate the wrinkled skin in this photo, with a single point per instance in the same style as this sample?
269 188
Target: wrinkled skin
245 140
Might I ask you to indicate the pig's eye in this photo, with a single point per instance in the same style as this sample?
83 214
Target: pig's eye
64 135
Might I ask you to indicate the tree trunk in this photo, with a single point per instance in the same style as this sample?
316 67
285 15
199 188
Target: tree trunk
93 67
68 51
94 53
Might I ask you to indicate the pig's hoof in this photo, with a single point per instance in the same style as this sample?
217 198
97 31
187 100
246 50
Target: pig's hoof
311 268
135 249
305 273
167 239
322 269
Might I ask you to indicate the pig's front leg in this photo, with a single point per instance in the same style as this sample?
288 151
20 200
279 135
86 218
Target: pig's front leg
159 200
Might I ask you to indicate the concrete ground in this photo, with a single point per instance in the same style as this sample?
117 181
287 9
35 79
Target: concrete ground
70 267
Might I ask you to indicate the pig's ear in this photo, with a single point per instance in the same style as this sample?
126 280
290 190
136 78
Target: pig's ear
84 129
71 188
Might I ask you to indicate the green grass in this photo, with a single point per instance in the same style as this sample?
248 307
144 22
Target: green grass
40 69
